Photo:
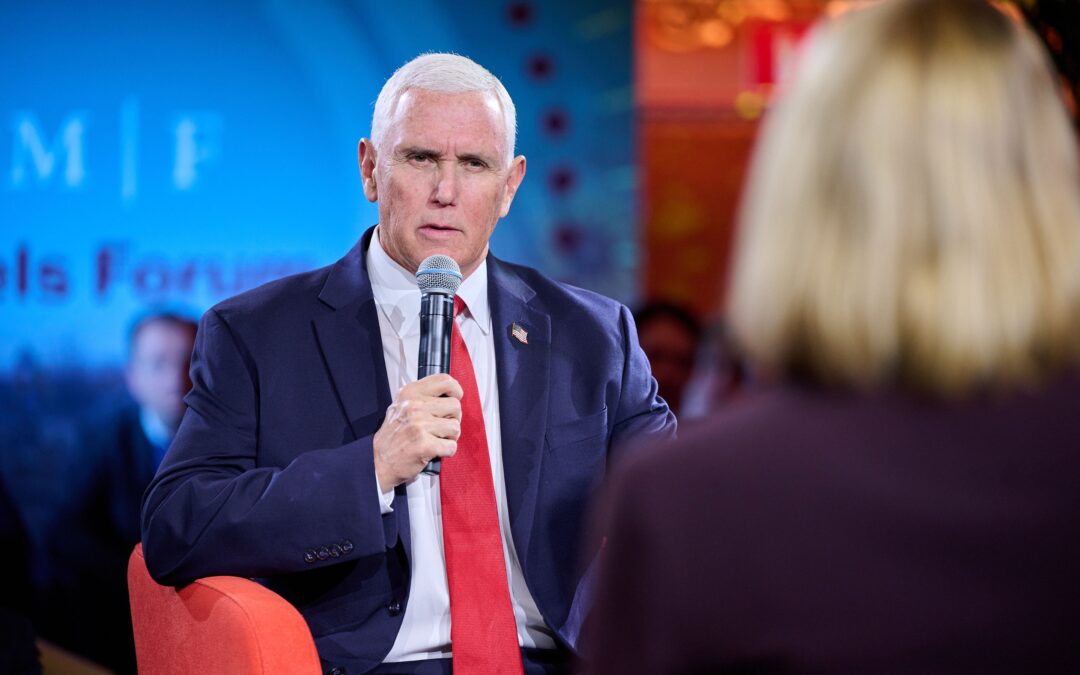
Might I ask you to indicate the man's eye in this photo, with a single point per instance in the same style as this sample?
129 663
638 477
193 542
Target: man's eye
476 164
420 157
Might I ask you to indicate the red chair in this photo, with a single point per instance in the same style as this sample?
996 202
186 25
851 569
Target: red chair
216 625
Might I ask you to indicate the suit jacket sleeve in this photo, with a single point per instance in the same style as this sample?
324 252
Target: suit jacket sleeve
214 509
641 417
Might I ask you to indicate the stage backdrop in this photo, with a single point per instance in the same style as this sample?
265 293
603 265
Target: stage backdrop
180 152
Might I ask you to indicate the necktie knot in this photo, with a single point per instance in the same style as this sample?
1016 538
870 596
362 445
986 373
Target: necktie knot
459 305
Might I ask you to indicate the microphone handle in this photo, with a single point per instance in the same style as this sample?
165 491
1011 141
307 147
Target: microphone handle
436 324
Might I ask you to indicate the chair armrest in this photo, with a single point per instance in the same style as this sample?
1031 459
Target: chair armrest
216 625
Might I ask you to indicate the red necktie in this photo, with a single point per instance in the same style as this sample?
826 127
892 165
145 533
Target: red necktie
483 633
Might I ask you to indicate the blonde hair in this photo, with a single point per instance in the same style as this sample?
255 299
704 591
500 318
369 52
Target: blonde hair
913 210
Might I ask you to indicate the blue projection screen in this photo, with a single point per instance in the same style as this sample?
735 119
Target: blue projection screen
178 153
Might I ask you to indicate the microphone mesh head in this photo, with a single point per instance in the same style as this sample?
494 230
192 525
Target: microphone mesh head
438 274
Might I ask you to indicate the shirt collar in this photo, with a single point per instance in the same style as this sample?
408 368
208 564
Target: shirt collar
398 296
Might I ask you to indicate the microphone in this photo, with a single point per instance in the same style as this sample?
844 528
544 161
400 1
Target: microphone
438 277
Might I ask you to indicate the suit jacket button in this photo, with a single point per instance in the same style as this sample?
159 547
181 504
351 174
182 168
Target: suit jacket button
336 671
309 556
394 608
323 553
335 551
346 546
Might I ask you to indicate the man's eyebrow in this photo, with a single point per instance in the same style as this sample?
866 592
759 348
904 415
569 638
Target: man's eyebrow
417 150
470 156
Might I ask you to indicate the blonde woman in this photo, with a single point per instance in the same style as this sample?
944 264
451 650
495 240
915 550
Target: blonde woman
906 498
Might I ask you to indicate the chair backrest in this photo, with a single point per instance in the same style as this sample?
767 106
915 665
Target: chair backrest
216 625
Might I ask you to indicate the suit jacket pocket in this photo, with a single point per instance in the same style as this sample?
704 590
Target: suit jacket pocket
581 429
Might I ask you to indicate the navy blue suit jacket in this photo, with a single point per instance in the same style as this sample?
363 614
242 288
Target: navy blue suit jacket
271 474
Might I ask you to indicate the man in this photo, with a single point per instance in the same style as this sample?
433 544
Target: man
159 354
669 335
97 524
299 460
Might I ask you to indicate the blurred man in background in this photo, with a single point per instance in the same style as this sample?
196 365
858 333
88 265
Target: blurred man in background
97 524
669 336
720 377
157 376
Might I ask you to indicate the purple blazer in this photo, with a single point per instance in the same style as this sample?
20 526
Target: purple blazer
814 532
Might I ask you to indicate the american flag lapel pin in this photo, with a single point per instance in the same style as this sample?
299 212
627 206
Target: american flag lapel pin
519 333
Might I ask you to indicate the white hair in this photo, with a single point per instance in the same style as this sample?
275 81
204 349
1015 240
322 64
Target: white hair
446 73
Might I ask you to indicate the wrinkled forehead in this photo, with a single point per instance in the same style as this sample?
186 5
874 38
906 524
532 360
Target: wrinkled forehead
477 111
416 96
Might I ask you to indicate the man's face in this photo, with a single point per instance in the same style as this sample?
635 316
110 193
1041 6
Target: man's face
671 349
157 372
440 177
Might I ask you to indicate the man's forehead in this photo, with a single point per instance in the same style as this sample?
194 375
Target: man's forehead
417 108
416 98
472 122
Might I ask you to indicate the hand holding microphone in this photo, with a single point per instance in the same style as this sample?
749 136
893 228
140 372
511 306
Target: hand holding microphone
438 278
423 424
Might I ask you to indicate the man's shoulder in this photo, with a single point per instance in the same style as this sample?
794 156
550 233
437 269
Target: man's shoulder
558 297
277 308
301 288
304 294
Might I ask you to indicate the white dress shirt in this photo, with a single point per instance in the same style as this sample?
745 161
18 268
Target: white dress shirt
425 628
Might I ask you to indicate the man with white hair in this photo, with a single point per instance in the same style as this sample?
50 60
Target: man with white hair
300 459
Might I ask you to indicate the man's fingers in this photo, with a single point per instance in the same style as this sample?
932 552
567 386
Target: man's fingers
445 428
445 447
419 410
443 406
439 384
436 448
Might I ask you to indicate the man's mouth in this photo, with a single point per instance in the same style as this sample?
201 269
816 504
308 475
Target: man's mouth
437 229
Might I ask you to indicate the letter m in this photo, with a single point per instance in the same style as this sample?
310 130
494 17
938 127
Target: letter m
32 155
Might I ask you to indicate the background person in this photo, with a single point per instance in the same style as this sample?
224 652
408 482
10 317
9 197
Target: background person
669 336
904 500
721 375
96 524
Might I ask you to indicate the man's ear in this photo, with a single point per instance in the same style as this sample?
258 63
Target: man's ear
365 155
513 181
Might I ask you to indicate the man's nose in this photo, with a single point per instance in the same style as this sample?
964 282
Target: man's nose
445 192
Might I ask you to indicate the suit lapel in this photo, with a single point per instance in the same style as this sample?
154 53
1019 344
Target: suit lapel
351 346
522 373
